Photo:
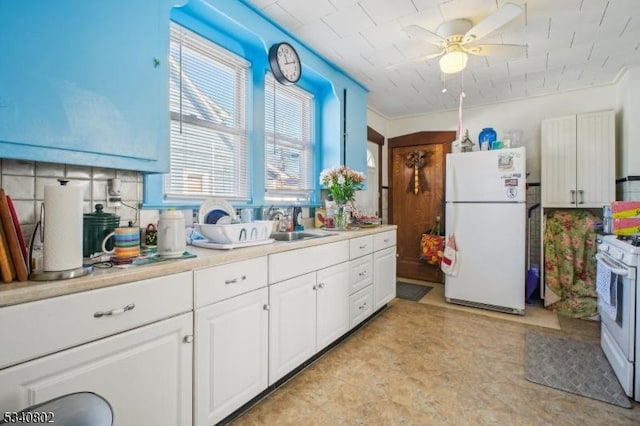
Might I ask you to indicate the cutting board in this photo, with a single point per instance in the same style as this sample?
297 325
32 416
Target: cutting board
15 252
7 271
16 223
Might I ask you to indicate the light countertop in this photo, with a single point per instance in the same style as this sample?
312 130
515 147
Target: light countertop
21 292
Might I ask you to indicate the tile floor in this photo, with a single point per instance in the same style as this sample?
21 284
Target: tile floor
419 364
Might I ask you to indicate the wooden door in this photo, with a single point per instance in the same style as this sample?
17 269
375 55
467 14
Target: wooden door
416 196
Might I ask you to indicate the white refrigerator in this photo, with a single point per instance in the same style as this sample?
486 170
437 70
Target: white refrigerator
486 212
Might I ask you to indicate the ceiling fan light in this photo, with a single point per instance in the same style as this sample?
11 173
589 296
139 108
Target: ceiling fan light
453 62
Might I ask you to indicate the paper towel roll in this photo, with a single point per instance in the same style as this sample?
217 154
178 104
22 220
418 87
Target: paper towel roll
62 227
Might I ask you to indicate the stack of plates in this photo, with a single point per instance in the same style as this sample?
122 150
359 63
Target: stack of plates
216 211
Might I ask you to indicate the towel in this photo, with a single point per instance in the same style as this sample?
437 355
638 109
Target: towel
606 287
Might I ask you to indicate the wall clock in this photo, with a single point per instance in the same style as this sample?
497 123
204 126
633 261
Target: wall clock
285 63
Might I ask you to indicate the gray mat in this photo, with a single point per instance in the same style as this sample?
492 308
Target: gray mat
412 292
572 366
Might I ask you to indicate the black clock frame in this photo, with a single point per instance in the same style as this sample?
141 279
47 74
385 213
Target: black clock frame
275 67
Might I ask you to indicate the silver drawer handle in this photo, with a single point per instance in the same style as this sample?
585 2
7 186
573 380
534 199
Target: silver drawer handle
386 240
363 246
362 274
114 312
363 306
235 280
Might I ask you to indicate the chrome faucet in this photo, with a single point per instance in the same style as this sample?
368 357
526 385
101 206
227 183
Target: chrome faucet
275 213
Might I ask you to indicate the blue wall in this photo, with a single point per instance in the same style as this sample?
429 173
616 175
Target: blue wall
80 84
241 29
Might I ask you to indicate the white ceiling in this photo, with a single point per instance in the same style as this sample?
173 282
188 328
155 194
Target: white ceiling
572 44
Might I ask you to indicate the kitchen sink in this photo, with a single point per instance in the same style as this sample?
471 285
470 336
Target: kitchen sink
295 235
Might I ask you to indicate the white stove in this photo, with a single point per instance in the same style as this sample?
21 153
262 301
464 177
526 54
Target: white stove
620 332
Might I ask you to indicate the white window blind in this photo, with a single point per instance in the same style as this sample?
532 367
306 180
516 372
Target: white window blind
289 144
208 104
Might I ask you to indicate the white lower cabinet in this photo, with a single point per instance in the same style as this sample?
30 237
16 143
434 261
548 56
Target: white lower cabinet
307 313
332 304
384 276
144 373
231 355
292 324
360 305
255 321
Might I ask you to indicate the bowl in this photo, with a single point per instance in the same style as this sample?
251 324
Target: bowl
258 230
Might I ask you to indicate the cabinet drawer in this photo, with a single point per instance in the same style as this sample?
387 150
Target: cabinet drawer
360 246
360 306
225 281
298 262
360 273
384 240
37 328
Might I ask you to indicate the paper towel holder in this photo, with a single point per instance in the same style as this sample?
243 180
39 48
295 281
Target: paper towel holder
41 275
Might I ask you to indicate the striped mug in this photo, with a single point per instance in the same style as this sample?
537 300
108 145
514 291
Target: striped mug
126 244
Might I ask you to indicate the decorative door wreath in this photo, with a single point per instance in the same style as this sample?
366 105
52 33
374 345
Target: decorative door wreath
417 160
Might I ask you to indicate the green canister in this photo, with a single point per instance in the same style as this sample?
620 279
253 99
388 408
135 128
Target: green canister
95 227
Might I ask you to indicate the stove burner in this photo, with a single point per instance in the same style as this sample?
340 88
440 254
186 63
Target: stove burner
634 240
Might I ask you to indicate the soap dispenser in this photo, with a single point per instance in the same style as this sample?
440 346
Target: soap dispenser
297 219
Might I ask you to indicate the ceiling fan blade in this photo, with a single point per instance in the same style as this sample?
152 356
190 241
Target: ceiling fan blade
500 17
424 34
498 50
433 55
417 59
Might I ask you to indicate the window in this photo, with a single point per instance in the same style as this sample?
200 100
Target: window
209 135
289 144
371 160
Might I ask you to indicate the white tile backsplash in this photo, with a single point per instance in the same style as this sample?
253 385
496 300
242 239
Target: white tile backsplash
19 187
50 170
100 173
18 167
24 182
629 189
79 172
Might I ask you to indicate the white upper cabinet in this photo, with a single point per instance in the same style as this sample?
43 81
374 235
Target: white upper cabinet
578 160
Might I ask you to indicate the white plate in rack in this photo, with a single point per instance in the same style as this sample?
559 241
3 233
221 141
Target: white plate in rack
215 204
229 246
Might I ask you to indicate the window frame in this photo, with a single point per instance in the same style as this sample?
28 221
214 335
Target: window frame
305 102
192 109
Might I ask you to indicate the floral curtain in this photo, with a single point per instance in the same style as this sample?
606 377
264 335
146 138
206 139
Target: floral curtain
570 270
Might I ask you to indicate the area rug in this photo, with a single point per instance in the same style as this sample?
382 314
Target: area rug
572 366
410 291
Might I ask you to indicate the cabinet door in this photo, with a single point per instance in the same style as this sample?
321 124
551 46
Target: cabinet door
332 318
231 353
558 162
384 276
595 176
292 324
96 93
145 374
355 127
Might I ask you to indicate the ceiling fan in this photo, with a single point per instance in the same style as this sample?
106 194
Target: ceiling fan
457 39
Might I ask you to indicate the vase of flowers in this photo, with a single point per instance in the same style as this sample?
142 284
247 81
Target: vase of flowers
342 183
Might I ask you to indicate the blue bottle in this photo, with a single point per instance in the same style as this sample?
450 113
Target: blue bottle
488 136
